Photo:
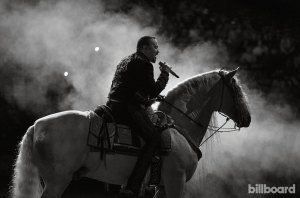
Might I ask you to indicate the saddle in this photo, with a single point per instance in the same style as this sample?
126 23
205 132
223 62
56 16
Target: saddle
107 136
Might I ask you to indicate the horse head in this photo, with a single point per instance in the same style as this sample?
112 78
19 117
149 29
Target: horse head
233 101
192 103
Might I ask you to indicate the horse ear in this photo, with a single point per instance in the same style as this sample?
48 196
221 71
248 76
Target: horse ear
231 74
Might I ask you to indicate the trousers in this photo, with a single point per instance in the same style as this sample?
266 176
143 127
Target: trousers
137 118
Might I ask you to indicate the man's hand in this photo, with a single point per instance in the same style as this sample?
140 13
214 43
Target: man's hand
164 67
167 68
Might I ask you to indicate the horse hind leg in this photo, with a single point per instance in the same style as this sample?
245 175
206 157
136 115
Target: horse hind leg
26 181
56 185
81 172
55 188
56 181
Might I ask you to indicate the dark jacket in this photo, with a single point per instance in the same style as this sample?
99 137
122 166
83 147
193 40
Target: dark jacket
134 78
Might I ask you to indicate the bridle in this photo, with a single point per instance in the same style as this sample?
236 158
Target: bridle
215 129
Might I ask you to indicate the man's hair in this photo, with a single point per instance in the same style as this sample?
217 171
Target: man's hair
143 41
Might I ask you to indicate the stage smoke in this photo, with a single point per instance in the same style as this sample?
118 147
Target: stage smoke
68 51
48 38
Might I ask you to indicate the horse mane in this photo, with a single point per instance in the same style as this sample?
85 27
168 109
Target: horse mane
239 96
186 89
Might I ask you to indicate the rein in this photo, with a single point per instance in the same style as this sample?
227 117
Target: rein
215 129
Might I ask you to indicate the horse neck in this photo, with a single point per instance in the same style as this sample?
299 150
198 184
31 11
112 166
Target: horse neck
205 117
196 131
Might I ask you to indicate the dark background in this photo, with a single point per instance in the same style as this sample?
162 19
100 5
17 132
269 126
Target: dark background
261 36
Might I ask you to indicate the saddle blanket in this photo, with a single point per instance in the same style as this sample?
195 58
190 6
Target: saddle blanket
112 137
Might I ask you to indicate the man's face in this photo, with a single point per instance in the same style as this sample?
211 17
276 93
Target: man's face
151 50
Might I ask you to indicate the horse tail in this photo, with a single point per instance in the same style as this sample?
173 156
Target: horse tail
26 181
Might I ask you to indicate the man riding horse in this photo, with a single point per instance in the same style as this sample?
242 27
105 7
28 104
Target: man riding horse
132 88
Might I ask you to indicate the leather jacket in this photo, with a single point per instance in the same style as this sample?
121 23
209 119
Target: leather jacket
134 82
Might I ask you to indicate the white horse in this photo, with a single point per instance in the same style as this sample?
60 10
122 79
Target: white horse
55 148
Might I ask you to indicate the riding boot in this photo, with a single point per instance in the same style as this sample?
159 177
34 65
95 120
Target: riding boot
155 175
148 132
141 167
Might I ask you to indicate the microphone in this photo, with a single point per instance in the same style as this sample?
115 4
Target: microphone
171 71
